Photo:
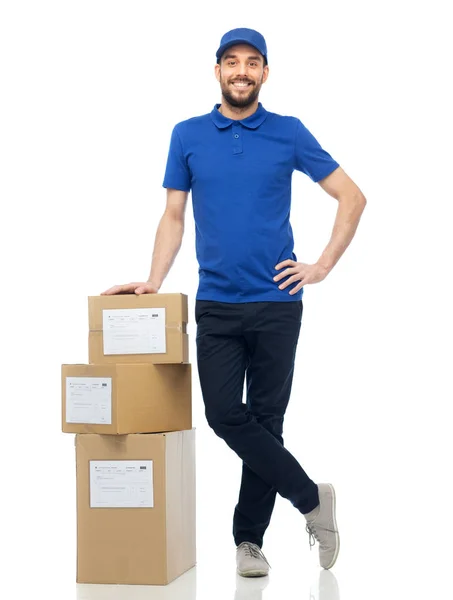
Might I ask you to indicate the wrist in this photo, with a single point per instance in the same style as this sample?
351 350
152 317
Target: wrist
153 283
325 265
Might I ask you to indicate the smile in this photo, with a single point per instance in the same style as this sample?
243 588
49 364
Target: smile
240 85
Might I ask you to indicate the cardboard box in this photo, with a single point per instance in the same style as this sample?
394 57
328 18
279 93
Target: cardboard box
135 507
123 398
149 328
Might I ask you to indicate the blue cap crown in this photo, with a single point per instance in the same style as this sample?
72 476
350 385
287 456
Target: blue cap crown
242 35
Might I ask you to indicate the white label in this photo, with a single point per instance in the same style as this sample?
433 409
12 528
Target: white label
121 484
89 400
134 331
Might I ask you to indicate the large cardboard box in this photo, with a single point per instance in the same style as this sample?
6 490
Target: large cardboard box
148 328
126 398
135 507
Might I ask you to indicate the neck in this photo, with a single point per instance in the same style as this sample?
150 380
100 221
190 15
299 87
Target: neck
237 113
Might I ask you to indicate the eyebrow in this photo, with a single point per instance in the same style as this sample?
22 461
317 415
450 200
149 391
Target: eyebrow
234 56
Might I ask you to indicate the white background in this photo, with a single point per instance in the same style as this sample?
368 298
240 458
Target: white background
90 91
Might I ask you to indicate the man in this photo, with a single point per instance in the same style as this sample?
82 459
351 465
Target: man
238 161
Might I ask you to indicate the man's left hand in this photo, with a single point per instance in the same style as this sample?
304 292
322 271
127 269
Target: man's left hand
300 272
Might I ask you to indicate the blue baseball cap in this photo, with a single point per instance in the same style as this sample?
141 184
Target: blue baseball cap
242 35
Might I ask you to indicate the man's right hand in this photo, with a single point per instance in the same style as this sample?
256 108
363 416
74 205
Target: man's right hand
137 287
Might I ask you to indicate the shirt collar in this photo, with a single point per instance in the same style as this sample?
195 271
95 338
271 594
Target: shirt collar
252 122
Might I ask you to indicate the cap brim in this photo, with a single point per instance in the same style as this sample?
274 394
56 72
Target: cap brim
222 49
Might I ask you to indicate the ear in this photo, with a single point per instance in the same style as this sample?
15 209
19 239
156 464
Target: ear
265 73
217 72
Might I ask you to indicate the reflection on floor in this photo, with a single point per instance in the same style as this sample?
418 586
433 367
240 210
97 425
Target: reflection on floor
324 587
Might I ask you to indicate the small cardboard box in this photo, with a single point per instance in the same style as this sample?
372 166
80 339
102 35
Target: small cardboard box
146 328
126 398
135 507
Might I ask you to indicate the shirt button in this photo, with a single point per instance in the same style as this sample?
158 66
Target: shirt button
236 135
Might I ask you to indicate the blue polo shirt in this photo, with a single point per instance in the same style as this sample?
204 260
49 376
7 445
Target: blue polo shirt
239 172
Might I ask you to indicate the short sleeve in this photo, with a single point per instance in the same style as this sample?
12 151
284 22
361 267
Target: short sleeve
177 173
310 157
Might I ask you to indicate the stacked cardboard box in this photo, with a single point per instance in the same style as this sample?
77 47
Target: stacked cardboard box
131 411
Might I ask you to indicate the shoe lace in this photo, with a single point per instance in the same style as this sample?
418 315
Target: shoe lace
254 551
313 534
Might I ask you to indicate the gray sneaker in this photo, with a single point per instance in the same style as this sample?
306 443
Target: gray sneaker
250 561
322 526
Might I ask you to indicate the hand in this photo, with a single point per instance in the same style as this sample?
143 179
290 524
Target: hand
300 272
138 287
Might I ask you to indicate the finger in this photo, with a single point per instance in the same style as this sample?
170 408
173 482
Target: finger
112 290
297 288
143 289
290 281
128 288
285 263
280 275
284 274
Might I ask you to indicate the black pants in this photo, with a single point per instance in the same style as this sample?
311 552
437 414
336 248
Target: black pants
257 340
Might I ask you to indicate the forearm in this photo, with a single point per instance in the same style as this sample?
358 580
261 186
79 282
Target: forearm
166 246
348 215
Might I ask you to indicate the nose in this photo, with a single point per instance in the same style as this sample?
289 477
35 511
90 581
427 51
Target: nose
242 70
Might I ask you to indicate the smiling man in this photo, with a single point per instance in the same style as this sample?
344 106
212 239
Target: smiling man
238 161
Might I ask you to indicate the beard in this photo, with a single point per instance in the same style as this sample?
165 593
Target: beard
240 99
